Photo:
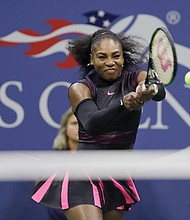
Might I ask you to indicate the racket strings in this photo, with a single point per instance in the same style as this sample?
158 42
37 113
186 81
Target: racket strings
163 57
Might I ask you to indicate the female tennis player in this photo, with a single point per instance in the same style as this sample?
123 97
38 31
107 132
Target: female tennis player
107 103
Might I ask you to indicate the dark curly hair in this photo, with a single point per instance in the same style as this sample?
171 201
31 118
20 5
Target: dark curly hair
134 48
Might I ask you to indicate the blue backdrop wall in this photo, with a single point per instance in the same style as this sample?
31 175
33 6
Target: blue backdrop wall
36 71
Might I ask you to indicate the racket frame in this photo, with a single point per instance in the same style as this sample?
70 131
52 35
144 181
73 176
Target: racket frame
151 72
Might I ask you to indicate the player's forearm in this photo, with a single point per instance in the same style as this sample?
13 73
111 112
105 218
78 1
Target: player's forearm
94 120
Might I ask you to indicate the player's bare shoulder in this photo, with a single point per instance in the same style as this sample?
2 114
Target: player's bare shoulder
79 89
78 92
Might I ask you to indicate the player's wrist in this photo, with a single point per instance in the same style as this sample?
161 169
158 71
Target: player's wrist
160 94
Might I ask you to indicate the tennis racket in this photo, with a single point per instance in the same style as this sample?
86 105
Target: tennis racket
162 64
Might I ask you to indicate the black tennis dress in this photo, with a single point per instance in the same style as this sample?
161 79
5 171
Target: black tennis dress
117 133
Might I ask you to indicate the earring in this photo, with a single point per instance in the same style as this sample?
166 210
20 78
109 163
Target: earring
89 64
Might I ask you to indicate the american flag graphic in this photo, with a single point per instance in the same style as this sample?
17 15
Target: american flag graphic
56 40
100 18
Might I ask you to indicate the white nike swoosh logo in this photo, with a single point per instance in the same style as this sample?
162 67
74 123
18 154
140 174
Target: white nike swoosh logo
110 93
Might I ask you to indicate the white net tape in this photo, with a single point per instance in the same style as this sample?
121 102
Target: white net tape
140 164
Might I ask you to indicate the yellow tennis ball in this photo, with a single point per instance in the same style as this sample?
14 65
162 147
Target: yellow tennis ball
187 78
